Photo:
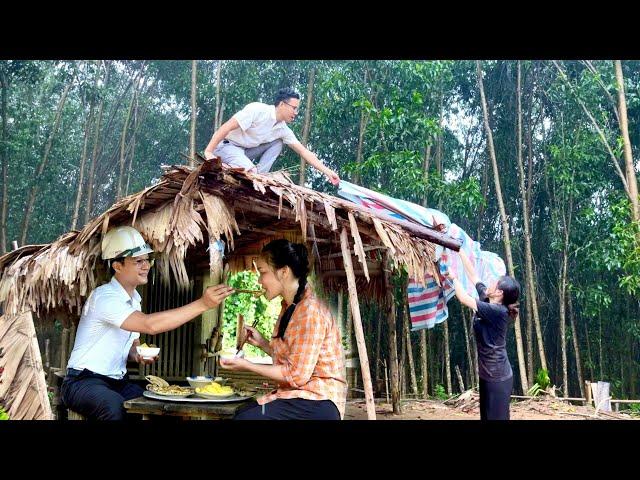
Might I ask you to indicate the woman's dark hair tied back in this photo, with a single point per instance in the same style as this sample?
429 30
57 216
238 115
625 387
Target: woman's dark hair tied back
283 253
510 294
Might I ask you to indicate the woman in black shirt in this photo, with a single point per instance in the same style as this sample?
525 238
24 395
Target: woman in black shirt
496 306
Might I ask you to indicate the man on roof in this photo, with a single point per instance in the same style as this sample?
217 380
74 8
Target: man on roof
259 131
96 384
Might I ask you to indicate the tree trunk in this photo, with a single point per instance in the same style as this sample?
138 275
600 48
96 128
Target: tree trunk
600 346
530 283
485 193
123 139
133 147
216 117
194 112
563 337
447 357
393 340
94 154
364 118
307 122
4 85
221 118
474 347
425 367
467 341
628 157
505 227
576 348
529 339
432 359
425 169
83 161
43 163
412 368
586 333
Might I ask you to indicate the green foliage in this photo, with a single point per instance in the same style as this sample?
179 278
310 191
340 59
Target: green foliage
252 308
3 415
440 393
542 383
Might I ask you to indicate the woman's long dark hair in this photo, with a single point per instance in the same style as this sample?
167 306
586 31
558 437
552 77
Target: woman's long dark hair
282 253
510 294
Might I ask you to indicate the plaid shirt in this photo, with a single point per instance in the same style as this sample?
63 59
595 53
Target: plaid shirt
310 355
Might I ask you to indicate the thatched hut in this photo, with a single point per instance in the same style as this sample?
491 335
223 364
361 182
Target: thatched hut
182 217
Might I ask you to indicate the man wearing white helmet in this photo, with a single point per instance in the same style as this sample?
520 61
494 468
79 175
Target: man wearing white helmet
96 384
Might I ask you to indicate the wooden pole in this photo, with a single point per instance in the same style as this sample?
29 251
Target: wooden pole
393 346
357 326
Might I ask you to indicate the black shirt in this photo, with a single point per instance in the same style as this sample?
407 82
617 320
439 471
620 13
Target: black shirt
490 327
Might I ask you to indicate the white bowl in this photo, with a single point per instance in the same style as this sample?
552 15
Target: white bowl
199 381
229 354
148 352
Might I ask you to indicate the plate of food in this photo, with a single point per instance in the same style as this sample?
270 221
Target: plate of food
175 391
215 390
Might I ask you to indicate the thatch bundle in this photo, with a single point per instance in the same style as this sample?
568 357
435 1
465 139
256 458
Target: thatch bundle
23 390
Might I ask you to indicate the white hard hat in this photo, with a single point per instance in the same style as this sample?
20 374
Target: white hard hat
124 242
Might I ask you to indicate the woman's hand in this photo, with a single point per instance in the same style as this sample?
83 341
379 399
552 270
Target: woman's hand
213 296
254 337
234 363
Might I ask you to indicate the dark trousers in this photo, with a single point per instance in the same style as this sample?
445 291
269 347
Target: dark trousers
96 396
290 409
494 399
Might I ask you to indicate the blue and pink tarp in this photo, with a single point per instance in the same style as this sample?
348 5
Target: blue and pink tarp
428 303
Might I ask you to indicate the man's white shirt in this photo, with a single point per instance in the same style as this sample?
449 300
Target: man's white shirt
101 345
258 126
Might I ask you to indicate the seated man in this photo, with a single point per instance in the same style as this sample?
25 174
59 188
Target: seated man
96 384
259 130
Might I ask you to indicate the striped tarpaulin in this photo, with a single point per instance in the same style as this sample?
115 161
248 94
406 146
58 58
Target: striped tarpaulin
428 302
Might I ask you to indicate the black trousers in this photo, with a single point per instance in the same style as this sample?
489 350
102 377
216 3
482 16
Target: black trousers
290 409
495 398
96 396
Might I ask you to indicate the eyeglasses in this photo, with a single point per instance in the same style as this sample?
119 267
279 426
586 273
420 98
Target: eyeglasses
295 109
141 261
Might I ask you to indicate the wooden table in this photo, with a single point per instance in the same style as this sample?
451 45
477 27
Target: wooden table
189 411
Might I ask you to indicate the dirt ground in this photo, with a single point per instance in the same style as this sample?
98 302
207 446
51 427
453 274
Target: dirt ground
538 409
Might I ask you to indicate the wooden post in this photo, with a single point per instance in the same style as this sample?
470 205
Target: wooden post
393 346
64 349
202 363
14 245
587 391
357 324
47 357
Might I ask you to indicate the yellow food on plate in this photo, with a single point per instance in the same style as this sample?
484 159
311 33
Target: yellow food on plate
214 388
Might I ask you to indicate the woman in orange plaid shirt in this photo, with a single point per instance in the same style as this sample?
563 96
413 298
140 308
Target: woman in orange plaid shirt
308 362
